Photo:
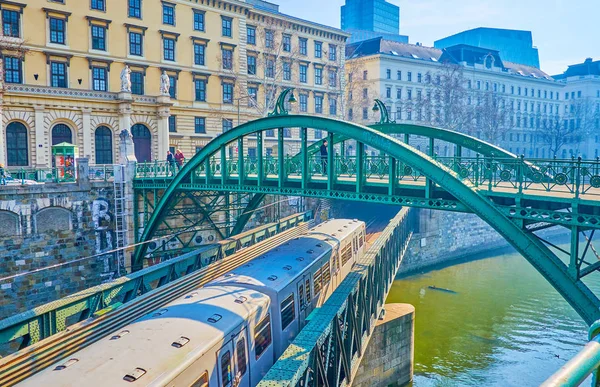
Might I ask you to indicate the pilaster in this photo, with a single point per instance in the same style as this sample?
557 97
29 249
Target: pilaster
87 132
42 138
163 113
125 111
3 159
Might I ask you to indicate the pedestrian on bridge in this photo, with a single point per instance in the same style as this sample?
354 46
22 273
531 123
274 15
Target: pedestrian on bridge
2 175
324 157
179 158
170 163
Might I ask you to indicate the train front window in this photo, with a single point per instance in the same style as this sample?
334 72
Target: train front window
241 356
202 381
288 314
226 369
262 336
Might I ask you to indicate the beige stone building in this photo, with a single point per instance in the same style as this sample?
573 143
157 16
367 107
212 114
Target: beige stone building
225 60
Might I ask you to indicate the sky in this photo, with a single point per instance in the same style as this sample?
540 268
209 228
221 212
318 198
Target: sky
564 31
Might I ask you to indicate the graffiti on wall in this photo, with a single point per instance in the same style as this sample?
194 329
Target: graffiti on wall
102 219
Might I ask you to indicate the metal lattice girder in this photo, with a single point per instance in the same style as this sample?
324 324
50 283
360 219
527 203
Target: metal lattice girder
434 172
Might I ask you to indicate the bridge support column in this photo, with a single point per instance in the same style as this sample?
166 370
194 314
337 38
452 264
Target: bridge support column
388 359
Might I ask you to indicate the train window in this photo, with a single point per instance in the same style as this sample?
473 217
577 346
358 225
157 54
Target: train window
202 381
226 369
301 296
346 254
308 291
241 356
262 336
326 273
317 281
288 313
360 241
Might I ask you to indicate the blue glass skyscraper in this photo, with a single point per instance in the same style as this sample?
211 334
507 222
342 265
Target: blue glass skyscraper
367 19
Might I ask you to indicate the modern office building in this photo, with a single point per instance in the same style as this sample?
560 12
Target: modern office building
513 45
499 101
368 19
225 61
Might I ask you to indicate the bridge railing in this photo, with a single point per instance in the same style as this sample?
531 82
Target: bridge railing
23 176
568 176
327 350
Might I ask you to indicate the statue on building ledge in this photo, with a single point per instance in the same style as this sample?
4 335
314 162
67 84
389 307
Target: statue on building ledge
126 79
165 84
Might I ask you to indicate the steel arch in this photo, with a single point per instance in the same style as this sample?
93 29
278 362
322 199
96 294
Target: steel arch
541 257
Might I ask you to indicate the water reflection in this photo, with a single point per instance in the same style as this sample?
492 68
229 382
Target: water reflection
504 326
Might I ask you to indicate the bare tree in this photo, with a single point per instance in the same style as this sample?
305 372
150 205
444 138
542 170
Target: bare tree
10 47
492 116
359 91
579 121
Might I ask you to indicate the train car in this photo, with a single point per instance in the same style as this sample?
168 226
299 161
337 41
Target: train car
227 333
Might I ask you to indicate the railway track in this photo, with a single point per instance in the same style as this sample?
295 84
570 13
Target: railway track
25 363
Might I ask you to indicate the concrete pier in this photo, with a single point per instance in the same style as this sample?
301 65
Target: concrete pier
388 359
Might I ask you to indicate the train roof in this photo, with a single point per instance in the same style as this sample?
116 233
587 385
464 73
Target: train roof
203 316
279 266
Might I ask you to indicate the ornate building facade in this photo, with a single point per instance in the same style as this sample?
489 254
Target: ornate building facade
225 61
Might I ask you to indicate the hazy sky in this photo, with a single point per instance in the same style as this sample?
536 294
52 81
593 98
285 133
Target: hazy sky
565 32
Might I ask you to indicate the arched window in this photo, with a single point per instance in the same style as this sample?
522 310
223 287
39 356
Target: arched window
104 153
142 140
16 145
61 133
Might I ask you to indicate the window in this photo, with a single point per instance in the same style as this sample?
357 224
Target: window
135 43
388 92
172 123
287 132
227 93
199 54
409 94
332 52
365 93
269 133
227 124
202 381
198 20
135 8
419 77
262 336
409 76
326 273
168 14
58 74
318 49
317 281
332 78
398 93
318 134
270 68
103 143
251 65
61 133
365 114
13 70
11 24
388 74
98 37
350 114
137 82
226 369
169 49
318 104
199 125
99 81
251 35
303 103
227 58
287 311
303 73
17 151
332 106
226 26
318 76
253 96
287 71
399 75
200 89
303 43
240 351
269 38
287 43
173 88
57 30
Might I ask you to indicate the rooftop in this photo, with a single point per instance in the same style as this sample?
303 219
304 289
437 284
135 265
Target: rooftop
588 67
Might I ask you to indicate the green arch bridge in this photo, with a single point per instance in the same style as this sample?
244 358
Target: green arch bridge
516 196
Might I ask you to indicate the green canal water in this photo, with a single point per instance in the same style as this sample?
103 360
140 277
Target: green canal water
504 326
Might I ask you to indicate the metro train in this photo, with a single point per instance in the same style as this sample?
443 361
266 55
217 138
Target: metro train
227 333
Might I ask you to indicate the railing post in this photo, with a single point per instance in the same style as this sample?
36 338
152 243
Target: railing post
241 161
457 158
280 159
259 150
476 177
360 154
330 162
304 151
578 177
393 166
520 172
223 165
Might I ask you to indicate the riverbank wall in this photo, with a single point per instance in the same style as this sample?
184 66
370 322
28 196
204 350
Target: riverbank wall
444 238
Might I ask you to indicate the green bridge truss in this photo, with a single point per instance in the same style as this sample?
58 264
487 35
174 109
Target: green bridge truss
517 197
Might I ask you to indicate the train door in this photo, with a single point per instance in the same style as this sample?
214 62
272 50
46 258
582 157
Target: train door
242 370
302 303
225 371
